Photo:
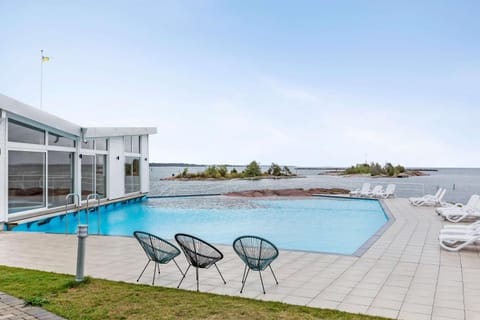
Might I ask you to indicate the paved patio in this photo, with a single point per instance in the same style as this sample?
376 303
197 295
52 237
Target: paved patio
403 275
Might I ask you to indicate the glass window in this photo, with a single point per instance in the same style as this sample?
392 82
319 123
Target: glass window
100 144
87 144
128 143
88 176
132 174
100 175
60 141
20 132
26 180
136 144
60 177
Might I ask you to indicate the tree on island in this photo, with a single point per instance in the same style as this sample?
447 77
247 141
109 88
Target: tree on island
253 170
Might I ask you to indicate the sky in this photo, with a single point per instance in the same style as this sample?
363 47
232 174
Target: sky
305 83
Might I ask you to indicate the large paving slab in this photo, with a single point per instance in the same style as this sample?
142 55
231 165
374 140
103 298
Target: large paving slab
403 275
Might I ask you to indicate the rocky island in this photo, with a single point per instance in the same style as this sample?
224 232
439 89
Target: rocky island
376 170
252 171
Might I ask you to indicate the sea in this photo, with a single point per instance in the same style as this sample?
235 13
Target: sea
460 183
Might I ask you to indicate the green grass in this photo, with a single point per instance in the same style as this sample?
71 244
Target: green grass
102 299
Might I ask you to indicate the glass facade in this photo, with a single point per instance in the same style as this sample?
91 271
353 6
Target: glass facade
132 144
60 141
101 144
24 133
101 175
88 175
26 180
60 177
132 174
94 175
41 167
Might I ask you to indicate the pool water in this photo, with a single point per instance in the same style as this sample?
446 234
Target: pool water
320 224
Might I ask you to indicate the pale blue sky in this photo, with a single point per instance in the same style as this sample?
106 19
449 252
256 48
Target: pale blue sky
298 82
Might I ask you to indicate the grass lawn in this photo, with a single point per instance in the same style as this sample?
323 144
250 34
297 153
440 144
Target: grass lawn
102 299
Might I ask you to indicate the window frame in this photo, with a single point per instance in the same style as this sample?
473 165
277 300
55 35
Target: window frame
43 148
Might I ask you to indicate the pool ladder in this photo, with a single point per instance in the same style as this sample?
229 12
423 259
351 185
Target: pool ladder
94 196
75 196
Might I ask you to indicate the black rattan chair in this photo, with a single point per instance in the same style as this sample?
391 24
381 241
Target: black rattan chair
199 254
157 250
257 253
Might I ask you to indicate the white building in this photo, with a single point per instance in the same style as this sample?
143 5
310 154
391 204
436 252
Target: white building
44 158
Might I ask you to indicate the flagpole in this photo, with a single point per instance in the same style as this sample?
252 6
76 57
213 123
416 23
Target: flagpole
41 78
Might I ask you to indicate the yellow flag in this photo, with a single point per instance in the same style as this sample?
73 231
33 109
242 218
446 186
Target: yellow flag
45 59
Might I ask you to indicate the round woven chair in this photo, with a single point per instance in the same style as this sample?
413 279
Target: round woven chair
199 254
257 253
157 250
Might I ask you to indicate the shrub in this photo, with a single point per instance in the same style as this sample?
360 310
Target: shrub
375 169
389 169
222 171
287 171
275 170
252 170
211 172
399 169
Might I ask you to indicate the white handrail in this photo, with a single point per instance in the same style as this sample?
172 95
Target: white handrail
97 197
76 203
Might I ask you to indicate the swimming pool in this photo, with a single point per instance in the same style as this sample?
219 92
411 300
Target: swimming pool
321 224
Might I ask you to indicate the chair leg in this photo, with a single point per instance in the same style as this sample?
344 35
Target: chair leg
154 271
196 269
244 271
273 274
261 280
224 282
178 267
144 270
244 281
183 276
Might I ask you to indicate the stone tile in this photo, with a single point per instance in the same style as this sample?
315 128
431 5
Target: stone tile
448 313
381 312
413 316
352 308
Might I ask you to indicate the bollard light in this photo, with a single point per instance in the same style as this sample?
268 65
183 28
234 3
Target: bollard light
82 234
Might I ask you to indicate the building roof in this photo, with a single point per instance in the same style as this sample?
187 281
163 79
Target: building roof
41 117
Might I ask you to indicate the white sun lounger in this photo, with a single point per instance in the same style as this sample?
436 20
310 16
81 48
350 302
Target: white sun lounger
359 192
427 196
429 200
376 191
460 229
464 213
456 242
473 202
389 192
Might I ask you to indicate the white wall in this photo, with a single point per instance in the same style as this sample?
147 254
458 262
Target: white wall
115 168
3 168
144 165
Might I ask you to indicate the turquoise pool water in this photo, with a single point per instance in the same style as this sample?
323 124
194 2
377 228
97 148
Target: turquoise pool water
320 224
